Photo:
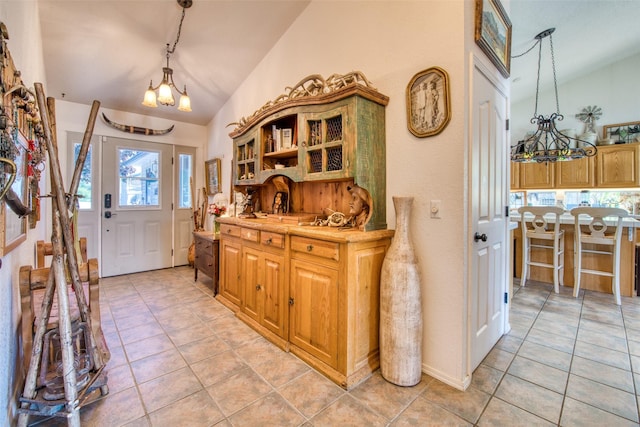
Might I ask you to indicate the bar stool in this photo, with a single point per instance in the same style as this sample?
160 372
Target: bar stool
598 234
538 233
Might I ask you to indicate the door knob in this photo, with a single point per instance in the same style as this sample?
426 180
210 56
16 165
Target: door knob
479 236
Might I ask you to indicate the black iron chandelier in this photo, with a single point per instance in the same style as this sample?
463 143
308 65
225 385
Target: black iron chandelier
548 144
166 86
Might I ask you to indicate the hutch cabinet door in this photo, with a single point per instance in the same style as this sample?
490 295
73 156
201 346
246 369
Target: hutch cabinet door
313 319
251 283
231 262
329 141
272 289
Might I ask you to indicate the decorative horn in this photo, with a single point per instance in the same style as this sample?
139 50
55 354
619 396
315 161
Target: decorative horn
136 129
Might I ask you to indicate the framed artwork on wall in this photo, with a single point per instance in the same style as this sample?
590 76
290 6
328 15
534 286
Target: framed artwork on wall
428 104
212 176
493 34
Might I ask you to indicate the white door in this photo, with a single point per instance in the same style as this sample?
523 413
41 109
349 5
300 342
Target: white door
88 222
489 200
137 190
183 213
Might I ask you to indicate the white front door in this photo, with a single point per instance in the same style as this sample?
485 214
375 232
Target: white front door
489 200
136 201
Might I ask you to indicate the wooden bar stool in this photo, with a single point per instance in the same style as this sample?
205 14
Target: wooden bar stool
596 235
538 233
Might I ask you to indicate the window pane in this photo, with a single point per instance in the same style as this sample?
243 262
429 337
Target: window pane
139 182
184 175
85 199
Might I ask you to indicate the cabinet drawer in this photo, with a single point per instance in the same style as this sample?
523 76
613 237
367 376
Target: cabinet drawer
274 240
205 263
316 247
230 230
203 246
250 234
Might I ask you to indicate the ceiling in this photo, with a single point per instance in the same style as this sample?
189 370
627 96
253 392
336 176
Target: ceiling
109 49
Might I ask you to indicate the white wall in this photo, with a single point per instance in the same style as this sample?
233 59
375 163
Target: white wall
614 88
390 42
21 19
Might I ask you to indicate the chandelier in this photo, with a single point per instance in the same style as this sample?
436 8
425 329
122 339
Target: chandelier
166 86
547 143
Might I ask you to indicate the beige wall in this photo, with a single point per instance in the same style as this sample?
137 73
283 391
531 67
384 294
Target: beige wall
390 42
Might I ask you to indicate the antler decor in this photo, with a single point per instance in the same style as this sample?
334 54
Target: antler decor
311 86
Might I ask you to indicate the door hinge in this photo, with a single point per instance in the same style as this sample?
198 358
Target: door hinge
171 206
506 211
506 127
171 252
172 157
506 297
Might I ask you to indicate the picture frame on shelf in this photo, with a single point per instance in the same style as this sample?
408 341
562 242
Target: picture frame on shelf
212 176
622 133
493 34
428 102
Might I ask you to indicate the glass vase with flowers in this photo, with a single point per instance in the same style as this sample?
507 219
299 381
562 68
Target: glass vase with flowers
216 210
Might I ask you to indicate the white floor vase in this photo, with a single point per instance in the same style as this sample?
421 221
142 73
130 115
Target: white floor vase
400 305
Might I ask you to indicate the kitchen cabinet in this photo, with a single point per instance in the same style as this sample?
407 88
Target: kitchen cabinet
614 166
618 166
576 173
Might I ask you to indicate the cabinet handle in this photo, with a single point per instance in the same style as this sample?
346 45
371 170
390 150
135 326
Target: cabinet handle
290 301
309 248
257 287
268 241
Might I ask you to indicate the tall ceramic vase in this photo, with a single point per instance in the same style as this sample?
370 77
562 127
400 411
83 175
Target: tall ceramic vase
400 305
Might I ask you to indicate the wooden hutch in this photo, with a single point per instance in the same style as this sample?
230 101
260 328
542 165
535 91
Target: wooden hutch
311 290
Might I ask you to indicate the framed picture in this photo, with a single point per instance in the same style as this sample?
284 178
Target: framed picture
493 33
622 133
428 104
212 176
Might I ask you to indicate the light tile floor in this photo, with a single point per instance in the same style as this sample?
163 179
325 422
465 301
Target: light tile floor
179 358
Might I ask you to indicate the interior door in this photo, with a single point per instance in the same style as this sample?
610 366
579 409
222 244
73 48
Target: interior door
136 206
182 212
489 192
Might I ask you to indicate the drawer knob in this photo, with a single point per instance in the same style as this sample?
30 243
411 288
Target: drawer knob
269 241
309 248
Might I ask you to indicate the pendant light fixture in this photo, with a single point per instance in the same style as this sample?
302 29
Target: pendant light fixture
166 86
548 144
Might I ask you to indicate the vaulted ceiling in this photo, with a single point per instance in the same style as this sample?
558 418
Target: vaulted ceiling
109 50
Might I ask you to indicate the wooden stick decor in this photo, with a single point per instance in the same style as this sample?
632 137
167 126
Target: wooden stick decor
63 249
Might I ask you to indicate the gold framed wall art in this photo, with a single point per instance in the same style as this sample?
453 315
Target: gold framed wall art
212 176
493 34
428 102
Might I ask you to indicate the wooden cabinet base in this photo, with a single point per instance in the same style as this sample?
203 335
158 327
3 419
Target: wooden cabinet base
347 382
